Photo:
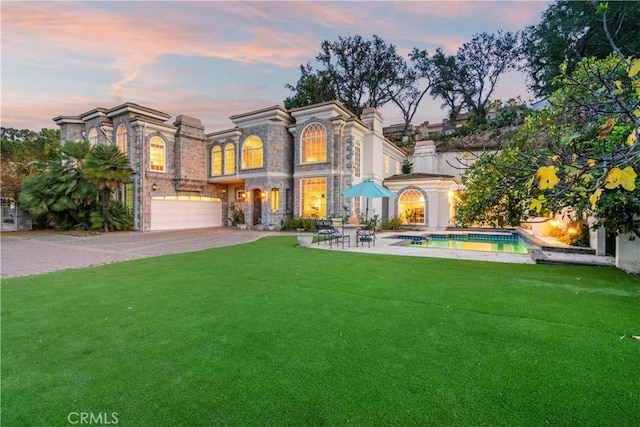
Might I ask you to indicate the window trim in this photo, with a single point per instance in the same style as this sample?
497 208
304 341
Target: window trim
216 151
304 139
275 200
357 159
244 163
322 210
164 153
122 139
225 159
422 200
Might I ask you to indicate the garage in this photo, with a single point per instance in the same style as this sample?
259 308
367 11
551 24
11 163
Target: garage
184 212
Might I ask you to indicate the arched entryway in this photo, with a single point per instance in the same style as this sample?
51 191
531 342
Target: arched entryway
412 207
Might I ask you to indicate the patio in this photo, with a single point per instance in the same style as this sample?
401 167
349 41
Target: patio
387 245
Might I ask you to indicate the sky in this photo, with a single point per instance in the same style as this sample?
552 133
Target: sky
214 59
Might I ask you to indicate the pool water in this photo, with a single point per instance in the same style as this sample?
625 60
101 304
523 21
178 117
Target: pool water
509 243
476 245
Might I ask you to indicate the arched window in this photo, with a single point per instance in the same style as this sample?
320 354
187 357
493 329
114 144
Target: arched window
356 159
122 139
252 152
314 144
93 137
156 154
229 158
216 161
411 205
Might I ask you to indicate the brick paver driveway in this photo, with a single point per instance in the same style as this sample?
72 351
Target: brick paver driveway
36 252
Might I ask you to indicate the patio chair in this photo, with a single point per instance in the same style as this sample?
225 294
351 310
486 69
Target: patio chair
367 234
324 230
340 236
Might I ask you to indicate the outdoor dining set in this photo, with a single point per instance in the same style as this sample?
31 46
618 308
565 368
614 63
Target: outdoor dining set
353 230
361 233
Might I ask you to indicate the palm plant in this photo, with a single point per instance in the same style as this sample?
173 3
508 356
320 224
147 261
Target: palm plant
61 196
108 168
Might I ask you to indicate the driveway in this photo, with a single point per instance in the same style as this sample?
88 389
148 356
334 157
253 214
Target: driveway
37 252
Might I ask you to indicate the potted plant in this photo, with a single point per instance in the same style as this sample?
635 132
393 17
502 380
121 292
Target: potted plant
305 239
237 217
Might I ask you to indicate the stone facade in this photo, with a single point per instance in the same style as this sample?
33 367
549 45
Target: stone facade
268 194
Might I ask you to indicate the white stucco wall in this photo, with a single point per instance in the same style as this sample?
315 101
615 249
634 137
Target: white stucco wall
628 254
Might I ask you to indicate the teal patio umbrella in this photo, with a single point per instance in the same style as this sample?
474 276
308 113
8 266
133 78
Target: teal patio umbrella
369 189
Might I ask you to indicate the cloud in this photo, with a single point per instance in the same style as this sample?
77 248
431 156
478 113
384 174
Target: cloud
515 14
207 59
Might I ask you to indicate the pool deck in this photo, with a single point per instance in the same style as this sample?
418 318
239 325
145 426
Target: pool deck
387 245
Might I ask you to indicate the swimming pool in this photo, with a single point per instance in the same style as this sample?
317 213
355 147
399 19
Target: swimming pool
493 242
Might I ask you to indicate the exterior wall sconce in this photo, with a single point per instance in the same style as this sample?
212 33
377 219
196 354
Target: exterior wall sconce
264 195
154 186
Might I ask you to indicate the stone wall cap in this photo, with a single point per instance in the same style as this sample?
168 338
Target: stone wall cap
187 119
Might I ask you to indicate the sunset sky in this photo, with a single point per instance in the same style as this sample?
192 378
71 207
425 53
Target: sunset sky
213 59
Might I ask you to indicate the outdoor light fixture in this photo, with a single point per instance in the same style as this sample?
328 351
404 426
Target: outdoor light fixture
154 186
264 195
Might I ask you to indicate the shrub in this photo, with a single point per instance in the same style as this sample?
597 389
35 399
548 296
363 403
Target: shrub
118 217
573 234
393 223
307 224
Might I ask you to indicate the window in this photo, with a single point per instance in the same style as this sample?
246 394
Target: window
314 202
229 159
157 154
252 152
411 205
314 144
93 137
129 197
275 200
356 205
386 164
356 159
398 167
216 161
122 139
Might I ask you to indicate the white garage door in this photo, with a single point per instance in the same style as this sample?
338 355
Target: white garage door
184 214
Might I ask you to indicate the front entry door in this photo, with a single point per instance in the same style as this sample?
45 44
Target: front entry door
257 206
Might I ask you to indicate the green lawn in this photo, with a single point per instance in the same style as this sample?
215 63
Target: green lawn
267 333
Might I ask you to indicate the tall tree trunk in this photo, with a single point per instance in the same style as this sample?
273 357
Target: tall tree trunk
106 200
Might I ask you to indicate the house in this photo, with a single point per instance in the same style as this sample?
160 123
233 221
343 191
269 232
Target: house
273 164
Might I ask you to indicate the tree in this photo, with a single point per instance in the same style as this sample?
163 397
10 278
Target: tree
107 168
593 164
413 83
359 73
24 153
483 61
494 190
313 87
571 30
61 196
582 154
446 85
468 79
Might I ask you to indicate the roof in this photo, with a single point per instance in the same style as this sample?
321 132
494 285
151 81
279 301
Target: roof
416 176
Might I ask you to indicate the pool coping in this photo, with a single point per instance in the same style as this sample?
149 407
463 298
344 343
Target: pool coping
540 251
